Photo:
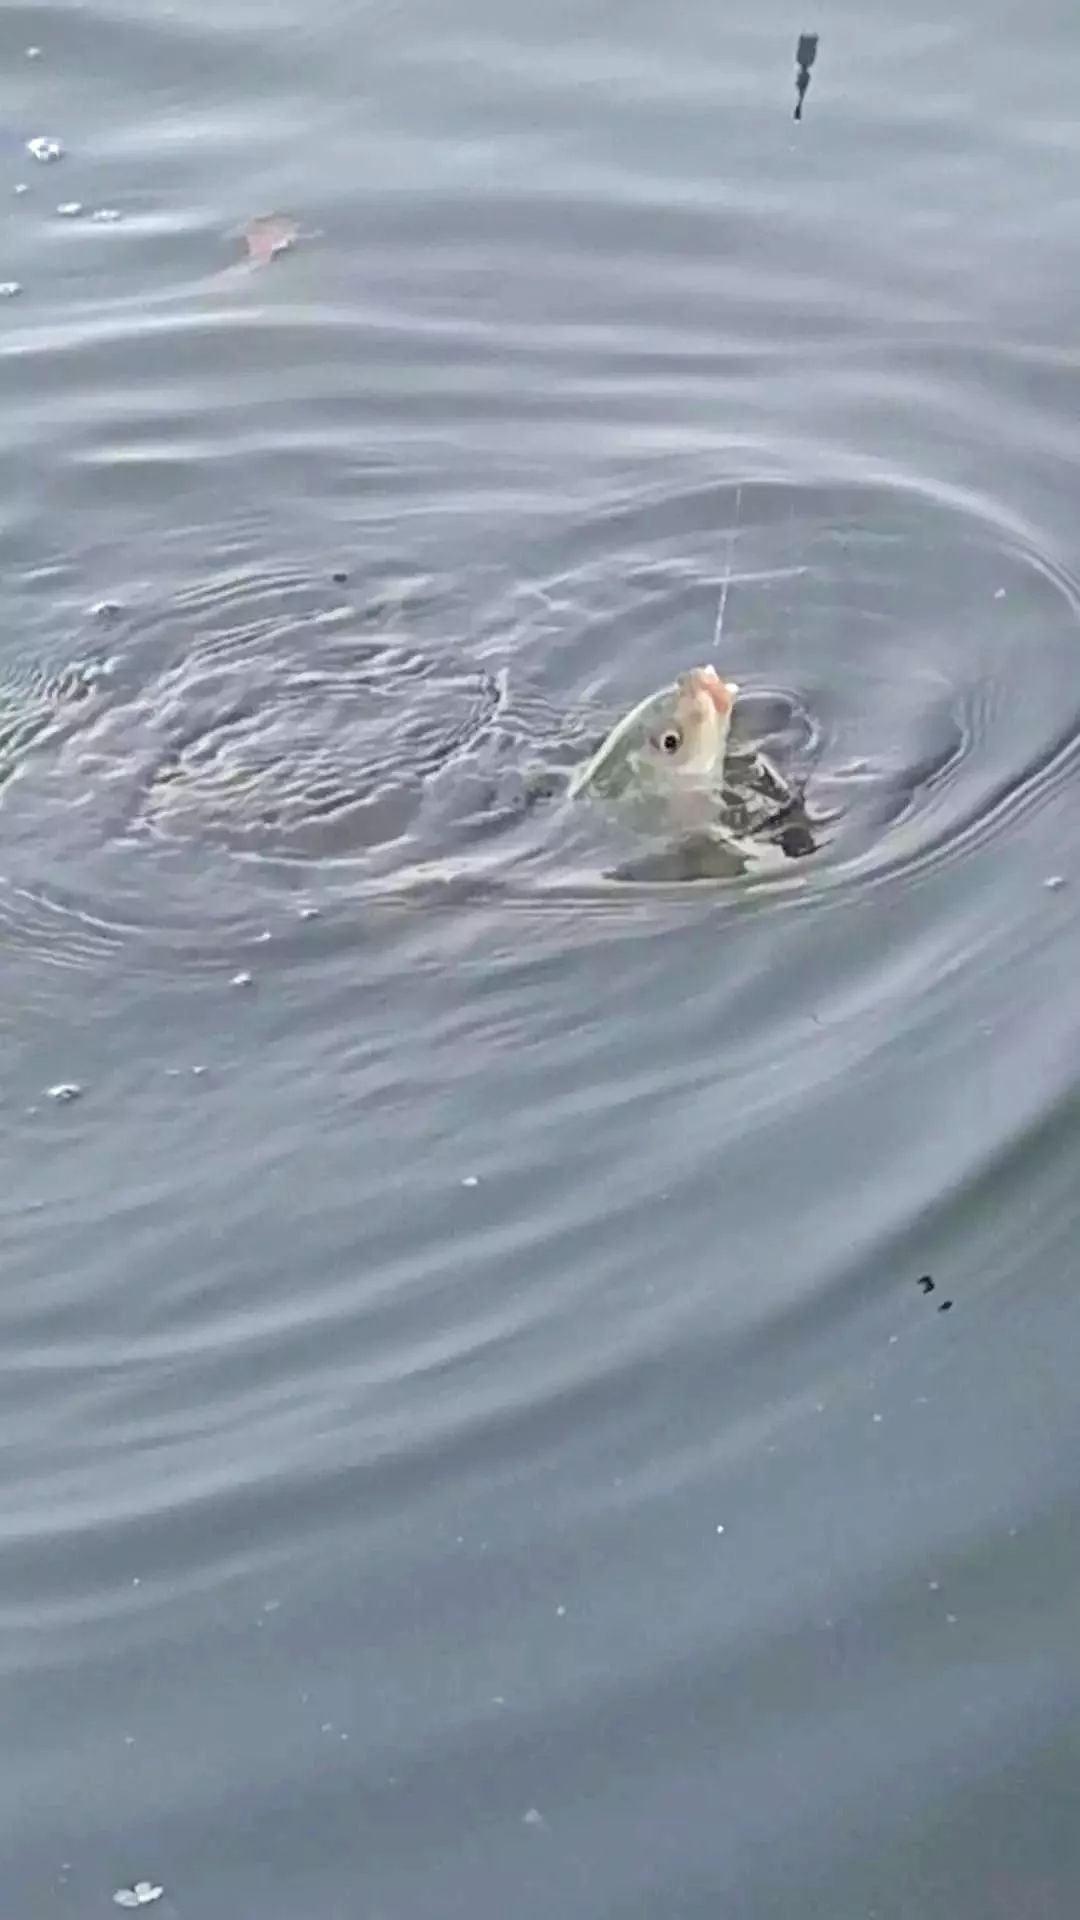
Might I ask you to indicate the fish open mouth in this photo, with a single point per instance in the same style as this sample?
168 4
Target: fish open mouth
721 692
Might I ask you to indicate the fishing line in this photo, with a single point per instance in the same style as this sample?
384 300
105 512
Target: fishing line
718 635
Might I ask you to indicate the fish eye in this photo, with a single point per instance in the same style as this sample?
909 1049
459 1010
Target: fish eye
671 740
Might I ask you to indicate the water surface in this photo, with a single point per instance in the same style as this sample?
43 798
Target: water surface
474 1439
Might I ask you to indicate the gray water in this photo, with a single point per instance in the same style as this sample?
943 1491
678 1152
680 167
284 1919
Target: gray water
474 1440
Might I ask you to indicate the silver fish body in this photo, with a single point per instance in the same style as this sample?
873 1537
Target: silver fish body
670 748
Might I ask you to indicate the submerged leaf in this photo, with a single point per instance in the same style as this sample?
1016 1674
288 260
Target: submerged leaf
269 234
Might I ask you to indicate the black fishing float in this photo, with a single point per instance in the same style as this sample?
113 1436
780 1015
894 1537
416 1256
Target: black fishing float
805 55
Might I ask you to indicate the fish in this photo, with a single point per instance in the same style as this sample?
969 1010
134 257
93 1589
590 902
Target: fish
670 748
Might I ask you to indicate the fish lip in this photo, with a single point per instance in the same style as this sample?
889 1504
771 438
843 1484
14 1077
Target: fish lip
722 693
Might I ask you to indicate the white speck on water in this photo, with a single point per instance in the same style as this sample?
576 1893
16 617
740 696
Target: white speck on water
893 1338
20 187
240 979
271 1606
877 1419
560 1613
33 53
999 593
934 1585
106 216
140 1895
534 1818
106 609
471 1180
43 149
70 209
950 1619
9 288
264 936
1054 883
327 1726
498 1700
197 1071
129 1739
136 1580
64 1091
720 1528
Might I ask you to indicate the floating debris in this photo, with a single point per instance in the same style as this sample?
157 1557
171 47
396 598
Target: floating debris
106 609
270 234
805 55
64 1092
309 913
142 1894
70 209
240 979
927 1285
20 187
1054 883
106 216
471 1180
33 53
9 289
339 578
534 1818
43 149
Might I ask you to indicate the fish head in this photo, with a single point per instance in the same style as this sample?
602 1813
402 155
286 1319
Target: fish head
687 735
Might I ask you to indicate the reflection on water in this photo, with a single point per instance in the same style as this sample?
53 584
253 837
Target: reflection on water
475 1440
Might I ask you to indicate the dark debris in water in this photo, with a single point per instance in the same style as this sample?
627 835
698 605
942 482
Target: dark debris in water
928 1285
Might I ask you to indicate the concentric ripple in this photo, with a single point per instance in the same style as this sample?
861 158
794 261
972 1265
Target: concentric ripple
902 654
261 720
902 650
